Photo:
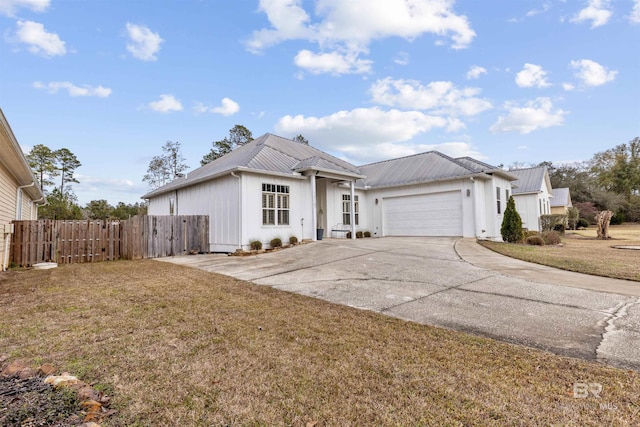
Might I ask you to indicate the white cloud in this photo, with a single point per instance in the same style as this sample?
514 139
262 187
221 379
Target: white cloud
568 86
545 7
348 27
591 73
166 104
635 13
144 44
534 115
227 108
370 134
73 90
475 72
402 58
40 41
333 63
597 11
441 97
532 75
9 7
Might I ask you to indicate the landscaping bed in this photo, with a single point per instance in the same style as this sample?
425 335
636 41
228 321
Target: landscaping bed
582 252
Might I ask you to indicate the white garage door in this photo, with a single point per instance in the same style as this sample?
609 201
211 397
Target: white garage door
438 214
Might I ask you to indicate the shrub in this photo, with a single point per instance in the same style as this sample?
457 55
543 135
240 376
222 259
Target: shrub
367 234
582 223
348 235
275 243
293 240
548 222
359 235
530 233
560 228
255 245
511 229
617 219
573 216
535 240
587 210
551 237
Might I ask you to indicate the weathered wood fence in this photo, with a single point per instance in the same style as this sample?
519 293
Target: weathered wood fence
67 241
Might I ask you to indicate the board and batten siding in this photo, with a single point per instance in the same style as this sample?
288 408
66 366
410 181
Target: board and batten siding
494 219
300 219
217 198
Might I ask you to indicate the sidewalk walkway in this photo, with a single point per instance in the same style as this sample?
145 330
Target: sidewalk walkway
473 253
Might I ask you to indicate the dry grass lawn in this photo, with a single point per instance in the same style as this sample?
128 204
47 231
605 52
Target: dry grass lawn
582 252
179 346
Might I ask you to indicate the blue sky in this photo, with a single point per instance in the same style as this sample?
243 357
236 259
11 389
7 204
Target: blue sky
502 81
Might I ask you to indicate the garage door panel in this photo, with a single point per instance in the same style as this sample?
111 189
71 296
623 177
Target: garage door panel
437 214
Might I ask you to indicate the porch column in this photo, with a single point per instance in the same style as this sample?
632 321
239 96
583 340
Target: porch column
314 219
352 184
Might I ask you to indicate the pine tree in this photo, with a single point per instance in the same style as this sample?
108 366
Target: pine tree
511 228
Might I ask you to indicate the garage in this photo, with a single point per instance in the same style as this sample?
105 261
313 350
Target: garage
435 214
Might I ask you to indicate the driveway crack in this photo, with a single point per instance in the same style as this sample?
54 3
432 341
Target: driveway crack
618 312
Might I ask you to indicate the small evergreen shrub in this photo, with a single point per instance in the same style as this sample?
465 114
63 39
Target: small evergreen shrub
617 219
359 235
551 237
367 234
293 240
511 229
582 223
255 245
560 228
275 243
535 240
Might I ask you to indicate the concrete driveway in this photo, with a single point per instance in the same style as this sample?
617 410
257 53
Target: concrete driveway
433 281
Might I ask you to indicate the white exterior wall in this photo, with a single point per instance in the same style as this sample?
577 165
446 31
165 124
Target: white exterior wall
375 212
217 198
300 220
531 205
333 210
494 219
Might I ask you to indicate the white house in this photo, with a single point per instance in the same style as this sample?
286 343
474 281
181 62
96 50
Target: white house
19 191
276 187
561 201
532 193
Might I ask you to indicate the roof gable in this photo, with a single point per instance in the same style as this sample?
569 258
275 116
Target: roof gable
561 197
531 180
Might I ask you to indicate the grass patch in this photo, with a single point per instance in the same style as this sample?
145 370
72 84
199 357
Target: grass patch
179 346
583 253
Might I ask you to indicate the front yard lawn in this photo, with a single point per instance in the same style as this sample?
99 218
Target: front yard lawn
179 346
582 252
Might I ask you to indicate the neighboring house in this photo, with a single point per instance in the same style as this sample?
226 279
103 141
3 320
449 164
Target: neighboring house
19 191
532 193
561 201
276 187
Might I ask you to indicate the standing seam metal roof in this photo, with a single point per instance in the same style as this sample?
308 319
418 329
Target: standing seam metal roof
529 180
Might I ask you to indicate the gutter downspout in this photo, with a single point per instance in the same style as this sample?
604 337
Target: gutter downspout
233 174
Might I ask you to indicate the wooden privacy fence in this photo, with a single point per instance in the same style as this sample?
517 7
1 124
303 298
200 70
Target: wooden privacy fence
71 241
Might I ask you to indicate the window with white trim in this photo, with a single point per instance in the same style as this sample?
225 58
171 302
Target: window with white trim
275 204
498 200
346 209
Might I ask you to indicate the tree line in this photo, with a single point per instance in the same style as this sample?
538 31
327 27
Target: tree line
610 180
55 172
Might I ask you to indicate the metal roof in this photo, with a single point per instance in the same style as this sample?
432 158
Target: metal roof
424 167
561 197
268 154
530 180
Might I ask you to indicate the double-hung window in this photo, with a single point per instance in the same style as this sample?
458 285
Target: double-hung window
498 200
275 204
346 209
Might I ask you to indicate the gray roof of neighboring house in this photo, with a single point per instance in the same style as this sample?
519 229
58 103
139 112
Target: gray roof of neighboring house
424 167
561 197
530 180
268 154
